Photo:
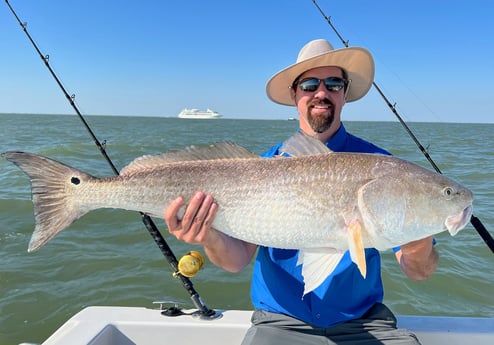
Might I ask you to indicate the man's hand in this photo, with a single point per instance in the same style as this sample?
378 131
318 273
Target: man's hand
195 227
418 259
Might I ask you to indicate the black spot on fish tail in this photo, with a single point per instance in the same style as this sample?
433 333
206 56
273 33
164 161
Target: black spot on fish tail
55 205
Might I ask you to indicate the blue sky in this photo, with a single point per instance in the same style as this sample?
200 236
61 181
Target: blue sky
434 59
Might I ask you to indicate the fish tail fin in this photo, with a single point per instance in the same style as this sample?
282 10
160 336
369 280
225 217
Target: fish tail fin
53 187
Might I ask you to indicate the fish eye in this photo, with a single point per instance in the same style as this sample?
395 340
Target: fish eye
448 192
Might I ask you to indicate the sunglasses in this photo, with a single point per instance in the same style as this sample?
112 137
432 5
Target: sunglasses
333 84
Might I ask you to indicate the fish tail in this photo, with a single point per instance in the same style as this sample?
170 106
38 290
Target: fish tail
53 187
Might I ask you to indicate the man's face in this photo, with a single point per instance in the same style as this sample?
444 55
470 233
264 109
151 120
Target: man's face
319 110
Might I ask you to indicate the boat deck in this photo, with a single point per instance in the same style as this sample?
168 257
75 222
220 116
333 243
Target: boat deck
126 326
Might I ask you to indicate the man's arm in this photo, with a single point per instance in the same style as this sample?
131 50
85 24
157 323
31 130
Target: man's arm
226 252
418 259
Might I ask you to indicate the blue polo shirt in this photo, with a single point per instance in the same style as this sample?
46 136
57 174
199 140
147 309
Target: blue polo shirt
277 283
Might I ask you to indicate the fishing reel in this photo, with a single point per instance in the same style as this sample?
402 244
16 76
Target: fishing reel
190 264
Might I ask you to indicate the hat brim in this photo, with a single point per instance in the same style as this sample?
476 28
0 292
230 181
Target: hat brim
357 62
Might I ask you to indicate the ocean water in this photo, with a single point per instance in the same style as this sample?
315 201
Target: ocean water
108 257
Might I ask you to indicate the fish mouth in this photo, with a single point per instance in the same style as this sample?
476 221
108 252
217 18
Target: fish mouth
457 222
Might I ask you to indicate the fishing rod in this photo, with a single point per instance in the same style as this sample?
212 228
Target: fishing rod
477 224
148 222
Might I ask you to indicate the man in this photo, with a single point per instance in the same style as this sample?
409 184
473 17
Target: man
345 308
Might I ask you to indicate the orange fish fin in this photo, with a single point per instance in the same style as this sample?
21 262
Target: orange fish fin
356 246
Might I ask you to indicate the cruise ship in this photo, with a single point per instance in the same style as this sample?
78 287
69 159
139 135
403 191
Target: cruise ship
198 114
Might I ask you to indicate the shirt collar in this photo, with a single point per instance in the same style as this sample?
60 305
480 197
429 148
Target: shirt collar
337 141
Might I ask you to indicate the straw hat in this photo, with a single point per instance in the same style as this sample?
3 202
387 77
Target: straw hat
356 61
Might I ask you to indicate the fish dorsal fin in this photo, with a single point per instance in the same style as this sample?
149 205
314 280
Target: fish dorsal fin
301 144
223 150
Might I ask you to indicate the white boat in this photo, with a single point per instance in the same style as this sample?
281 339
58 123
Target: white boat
198 114
133 325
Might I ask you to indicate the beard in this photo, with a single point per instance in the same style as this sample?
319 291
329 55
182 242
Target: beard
320 122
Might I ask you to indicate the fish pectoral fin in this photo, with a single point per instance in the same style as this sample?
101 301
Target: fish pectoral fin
317 265
356 246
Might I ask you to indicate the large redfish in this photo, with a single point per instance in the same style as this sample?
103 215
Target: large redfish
320 202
